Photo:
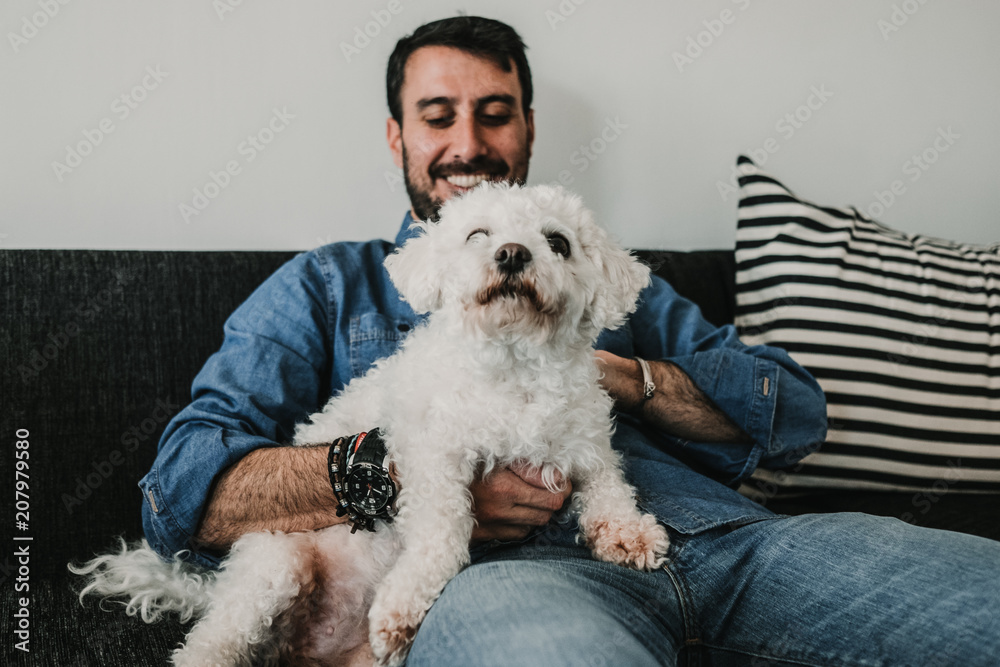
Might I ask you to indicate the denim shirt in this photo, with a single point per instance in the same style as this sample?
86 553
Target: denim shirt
329 314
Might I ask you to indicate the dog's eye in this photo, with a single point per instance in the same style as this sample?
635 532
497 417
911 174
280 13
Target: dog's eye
484 232
559 244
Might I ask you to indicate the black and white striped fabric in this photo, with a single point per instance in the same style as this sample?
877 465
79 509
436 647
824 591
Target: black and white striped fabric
901 331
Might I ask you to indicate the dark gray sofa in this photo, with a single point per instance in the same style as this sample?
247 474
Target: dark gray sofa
100 350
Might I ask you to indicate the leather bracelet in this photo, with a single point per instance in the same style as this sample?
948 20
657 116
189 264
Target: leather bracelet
648 388
336 463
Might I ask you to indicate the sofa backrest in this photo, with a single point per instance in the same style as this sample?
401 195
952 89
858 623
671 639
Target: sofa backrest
707 277
101 348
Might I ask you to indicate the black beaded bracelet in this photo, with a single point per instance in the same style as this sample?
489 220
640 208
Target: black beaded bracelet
336 460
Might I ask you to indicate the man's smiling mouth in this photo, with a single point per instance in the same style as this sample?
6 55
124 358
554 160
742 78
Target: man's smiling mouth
467 180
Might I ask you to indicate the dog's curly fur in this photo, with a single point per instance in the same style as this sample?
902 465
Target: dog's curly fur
502 371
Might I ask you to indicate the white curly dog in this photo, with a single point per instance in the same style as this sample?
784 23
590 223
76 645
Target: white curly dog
519 282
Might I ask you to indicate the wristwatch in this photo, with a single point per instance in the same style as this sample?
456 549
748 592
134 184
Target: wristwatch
361 480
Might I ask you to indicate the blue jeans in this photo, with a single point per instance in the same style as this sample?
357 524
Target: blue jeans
834 589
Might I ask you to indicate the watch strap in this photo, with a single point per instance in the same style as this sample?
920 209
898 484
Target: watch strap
368 448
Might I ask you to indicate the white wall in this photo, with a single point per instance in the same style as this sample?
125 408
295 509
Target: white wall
327 175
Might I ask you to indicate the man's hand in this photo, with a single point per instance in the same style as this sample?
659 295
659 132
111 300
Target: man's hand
509 502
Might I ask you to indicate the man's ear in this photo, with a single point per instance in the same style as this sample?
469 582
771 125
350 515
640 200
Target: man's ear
531 129
415 273
394 137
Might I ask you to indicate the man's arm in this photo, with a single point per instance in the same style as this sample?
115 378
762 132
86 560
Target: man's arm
677 407
288 489
270 372
725 405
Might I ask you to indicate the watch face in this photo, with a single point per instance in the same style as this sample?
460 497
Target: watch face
368 490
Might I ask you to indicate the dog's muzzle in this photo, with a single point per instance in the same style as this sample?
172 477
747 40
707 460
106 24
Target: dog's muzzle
511 281
511 258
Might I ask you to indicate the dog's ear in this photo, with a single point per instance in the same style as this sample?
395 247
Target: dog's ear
624 278
415 273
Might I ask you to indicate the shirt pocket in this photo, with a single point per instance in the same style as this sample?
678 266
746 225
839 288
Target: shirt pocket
373 337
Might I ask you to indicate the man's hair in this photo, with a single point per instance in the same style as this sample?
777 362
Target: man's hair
473 34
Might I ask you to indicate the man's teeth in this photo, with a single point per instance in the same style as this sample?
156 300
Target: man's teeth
467 180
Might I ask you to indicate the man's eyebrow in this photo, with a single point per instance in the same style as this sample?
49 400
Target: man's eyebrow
434 101
451 101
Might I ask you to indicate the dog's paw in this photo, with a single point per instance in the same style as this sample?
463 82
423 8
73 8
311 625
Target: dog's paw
391 631
640 544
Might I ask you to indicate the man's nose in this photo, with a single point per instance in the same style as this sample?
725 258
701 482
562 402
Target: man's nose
467 140
511 258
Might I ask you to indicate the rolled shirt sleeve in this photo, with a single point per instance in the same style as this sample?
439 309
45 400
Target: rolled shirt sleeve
768 395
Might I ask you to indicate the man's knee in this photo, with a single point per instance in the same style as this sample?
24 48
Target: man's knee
524 613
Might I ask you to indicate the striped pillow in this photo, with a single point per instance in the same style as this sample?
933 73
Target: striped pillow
901 331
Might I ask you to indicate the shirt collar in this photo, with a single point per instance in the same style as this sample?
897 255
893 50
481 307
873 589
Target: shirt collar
407 231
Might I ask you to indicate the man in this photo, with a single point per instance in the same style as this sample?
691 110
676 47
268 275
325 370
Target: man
741 586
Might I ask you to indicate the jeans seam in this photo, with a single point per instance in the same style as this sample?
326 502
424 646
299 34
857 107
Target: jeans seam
684 598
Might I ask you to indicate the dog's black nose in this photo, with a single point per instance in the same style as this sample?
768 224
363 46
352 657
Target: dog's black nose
512 257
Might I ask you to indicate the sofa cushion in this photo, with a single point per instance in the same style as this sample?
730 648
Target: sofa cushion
65 632
902 332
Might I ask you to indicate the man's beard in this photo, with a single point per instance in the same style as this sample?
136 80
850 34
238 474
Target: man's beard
427 207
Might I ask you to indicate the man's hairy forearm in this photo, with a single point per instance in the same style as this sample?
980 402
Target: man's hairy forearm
275 488
681 408
678 406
